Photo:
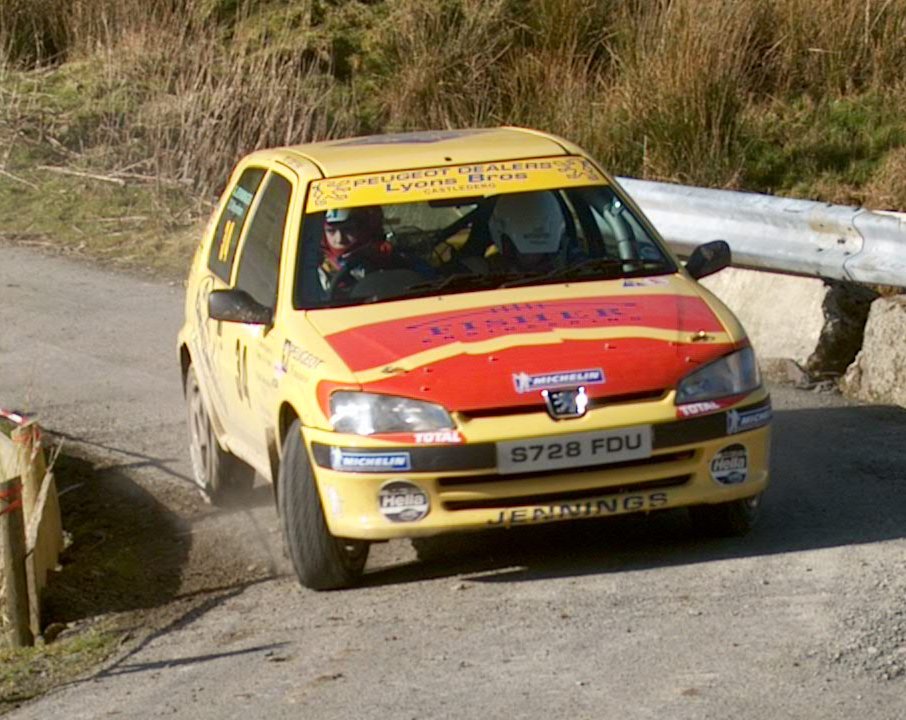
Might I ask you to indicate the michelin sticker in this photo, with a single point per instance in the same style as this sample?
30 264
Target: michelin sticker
746 420
524 382
402 501
369 462
731 465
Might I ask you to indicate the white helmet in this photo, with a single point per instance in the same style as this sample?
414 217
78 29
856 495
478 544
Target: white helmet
531 221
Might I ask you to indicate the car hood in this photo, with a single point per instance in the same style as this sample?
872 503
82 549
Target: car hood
498 349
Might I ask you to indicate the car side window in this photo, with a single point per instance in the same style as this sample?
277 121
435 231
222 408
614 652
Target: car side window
259 263
229 227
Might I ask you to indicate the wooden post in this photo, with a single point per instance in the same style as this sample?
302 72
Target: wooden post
41 510
12 547
27 439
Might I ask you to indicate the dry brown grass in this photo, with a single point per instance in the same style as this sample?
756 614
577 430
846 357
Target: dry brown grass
658 88
887 188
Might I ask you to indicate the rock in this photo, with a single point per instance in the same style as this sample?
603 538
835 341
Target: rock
782 314
52 632
816 324
784 371
878 373
845 307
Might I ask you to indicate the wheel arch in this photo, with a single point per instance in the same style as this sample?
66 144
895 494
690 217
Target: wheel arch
185 360
285 418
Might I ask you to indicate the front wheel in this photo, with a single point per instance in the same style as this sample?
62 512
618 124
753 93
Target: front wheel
221 477
322 561
729 519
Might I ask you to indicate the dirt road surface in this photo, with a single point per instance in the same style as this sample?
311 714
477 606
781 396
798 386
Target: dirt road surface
630 618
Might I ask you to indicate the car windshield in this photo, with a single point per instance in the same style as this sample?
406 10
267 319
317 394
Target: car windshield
395 250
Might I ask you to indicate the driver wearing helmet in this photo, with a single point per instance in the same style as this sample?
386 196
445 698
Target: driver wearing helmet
528 229
350 234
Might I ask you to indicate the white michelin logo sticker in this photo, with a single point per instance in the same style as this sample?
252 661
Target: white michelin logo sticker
523 382
369 462
738 422
731 465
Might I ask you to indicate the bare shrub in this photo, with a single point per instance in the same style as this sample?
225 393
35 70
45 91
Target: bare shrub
442 62
837 45
665 89
31 31
219 102
684 84
886 190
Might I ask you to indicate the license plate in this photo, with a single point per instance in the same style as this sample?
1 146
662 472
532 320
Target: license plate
600 447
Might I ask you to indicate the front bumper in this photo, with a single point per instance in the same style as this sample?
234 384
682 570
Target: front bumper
461 488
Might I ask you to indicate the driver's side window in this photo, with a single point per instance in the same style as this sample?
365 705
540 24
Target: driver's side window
231 222
259 263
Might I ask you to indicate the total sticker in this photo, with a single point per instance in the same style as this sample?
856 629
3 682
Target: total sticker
731 465
402 501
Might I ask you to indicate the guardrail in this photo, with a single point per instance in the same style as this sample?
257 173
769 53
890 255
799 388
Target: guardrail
797 237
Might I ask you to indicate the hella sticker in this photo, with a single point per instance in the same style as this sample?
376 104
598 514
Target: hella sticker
524 382
402 501
369 462
731 465
738 422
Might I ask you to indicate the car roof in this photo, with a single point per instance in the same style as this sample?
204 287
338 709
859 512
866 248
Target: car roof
400 151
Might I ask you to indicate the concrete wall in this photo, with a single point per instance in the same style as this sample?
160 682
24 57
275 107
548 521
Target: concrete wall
803 329
782 314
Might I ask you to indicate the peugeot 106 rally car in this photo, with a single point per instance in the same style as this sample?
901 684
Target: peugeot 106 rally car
431 332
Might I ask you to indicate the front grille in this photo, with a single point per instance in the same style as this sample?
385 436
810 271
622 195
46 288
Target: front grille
454 482
551 498
594 403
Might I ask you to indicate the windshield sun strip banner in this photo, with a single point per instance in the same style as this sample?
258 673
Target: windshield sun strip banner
465 180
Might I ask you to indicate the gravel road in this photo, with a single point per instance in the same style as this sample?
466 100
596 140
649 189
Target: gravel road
629 617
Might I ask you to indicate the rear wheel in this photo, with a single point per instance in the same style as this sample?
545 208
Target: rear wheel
322 561
221 477
729 519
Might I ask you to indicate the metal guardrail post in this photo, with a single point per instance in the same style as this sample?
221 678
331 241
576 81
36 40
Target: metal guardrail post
12 547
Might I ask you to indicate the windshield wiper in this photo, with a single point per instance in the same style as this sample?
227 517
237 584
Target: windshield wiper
612 267
592 266
463 281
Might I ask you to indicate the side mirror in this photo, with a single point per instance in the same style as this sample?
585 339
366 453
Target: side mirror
707 259
239 307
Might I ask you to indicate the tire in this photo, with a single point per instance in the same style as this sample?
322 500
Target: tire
321 561
222 478
730 519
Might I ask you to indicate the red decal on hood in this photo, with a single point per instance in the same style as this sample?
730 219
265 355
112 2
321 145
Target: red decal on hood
476 382
381 343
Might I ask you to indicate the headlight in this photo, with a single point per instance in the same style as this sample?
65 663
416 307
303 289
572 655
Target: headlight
734 374
366 413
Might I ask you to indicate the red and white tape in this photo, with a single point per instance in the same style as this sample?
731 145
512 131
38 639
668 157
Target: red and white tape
17 418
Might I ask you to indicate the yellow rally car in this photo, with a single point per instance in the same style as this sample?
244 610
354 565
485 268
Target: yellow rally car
431 332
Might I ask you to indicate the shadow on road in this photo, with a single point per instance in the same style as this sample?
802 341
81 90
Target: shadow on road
838 478
133 550
126 549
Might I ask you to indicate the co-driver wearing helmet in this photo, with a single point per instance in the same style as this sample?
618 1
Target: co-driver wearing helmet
528 230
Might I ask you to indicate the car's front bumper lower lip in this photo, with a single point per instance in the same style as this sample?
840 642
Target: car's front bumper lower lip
464 491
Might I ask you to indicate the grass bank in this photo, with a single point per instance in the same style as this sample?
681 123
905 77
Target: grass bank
151 104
